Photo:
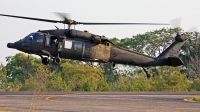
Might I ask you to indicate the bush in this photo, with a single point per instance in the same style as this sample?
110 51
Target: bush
196 98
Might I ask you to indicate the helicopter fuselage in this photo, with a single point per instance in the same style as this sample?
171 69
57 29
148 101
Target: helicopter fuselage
84 46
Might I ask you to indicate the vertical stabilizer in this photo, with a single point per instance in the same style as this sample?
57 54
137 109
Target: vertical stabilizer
173 49
170 55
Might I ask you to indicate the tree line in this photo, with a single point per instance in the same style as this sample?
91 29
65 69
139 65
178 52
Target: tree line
27 73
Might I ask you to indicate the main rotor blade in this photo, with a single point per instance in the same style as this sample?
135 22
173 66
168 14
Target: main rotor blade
72 22
30 18
88 23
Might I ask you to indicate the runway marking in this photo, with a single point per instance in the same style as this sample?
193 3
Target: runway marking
51 99
189 100
5 111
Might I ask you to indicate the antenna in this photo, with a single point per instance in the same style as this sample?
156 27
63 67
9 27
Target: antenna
56 27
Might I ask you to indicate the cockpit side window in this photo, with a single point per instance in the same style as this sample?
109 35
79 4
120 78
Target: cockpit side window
38 38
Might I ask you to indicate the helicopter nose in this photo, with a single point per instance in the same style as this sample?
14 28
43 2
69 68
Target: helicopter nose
10 45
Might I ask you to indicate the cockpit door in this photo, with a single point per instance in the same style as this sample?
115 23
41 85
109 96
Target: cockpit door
37 42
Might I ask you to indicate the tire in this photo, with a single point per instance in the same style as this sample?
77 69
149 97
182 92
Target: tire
56 60
45 61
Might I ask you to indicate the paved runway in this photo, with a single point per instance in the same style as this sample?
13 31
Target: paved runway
97 102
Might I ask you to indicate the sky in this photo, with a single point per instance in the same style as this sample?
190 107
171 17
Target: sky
155 11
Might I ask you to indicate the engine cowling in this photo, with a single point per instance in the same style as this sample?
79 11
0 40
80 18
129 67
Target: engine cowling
86 35
96 39
80 34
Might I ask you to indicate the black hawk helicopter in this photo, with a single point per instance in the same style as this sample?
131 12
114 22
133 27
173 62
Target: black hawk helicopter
84 46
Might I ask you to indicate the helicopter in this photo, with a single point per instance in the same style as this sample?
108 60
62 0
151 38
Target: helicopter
84 46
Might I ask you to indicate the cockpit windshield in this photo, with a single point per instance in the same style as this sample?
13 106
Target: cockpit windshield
36 37
29 37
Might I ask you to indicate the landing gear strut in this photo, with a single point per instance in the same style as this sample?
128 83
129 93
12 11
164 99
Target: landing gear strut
45 60
148 75
57 60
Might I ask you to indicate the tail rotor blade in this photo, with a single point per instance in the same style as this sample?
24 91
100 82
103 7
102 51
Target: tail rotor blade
192 29
176 22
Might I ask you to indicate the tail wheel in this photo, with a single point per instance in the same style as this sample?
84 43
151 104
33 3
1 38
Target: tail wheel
56 60
45 61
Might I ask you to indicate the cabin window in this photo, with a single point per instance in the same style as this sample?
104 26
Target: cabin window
77 45
68 44
47 43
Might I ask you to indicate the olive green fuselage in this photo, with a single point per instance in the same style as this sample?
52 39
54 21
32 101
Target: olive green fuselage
84 46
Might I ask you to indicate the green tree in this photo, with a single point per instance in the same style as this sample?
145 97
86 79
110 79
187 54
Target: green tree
23 71
170 80
16 67
191 55
195 85
81 77
3 79
55 82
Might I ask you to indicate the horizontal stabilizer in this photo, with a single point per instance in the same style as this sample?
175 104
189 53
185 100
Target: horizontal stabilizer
174 61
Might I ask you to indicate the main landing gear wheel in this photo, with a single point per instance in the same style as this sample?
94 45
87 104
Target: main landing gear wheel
45 61
56 60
